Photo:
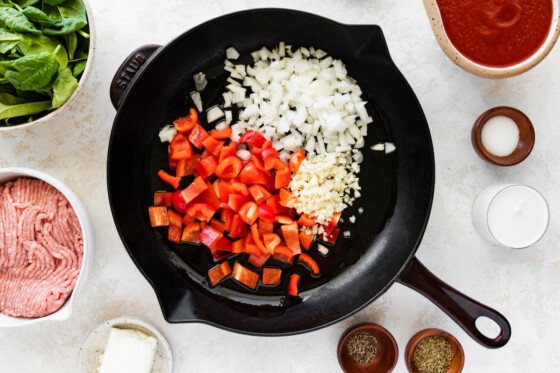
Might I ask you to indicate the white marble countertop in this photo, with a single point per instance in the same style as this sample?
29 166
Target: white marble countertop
523 284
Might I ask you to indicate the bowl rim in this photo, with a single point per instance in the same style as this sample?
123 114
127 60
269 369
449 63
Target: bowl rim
65 311
428 332
483 71
81 83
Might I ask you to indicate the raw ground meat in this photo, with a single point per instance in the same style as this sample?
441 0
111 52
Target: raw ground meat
41 248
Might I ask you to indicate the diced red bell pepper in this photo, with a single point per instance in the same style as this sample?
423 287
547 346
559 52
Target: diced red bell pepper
238 227
224 190
172 162
178 201
209 237
257 261
218 273
236 201
245 276
186 123
250 174
239 188
180 147
249 212
331 238
283 254
228 150
287 199
305 240
218 255
290 234
205 154
238 246
270 182
213 146
258 162
175 226
310 262
274 163
271 276
306 221
256 150
171 180
162 199
254 138
201 211
293 285
191 232
187 219
265 227
295 160
210 197
207 166
282 178
197 135
274 203
257 239
270 153
227 214
224 244
194 190
224 133
186 167
331 225
250 246
218 225
265 213
271 240
229 168
283 219
259 193
158 216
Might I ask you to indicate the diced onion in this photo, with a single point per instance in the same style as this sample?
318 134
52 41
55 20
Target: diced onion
167 133
214 113
195 96
232 54
200 81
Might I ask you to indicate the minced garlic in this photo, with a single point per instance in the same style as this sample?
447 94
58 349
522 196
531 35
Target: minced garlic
324 185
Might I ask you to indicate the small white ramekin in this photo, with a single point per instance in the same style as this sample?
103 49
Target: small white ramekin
12 173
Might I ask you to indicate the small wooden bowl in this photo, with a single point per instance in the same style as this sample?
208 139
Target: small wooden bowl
458 354
387 353
526 136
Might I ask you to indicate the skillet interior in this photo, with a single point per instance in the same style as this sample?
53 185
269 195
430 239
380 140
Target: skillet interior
406 183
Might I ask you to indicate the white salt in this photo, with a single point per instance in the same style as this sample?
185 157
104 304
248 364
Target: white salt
500 136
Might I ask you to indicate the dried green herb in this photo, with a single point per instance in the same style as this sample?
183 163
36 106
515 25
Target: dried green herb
432 355
363 347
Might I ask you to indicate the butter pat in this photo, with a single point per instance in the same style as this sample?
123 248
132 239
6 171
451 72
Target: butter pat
127 351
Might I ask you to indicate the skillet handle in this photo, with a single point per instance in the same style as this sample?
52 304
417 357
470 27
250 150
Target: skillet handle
127 71
462 309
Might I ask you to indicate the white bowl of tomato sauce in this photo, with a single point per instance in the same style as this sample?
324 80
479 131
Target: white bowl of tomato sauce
495 39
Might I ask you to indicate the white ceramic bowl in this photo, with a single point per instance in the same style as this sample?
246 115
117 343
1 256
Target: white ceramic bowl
81 83
95 343
485 71
12 173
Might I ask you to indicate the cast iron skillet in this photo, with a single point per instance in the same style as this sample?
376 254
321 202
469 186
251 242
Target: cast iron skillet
151 89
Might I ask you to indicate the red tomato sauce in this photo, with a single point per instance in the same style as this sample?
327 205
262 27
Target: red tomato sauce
496 33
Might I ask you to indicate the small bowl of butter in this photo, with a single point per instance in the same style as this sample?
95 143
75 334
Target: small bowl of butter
125 344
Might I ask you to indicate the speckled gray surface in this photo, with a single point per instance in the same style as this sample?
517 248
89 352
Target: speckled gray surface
523 285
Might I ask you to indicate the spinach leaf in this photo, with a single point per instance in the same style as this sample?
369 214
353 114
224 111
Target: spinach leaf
71 41
25 3
8 40
26 108
53 2
15 20
35 15
79 67
8 99
71 16
31 72
63 88
35 44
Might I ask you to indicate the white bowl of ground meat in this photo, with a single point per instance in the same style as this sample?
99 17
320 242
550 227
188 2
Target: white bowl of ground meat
46 241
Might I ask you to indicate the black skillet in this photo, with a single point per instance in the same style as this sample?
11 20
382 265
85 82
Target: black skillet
151 89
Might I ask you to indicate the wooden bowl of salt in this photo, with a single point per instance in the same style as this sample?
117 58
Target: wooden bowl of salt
503 136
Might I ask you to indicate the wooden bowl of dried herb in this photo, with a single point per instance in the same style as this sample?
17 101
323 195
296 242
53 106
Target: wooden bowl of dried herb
434 351
367 347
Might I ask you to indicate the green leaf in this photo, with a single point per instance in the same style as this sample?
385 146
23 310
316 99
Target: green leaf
35 15
63 88
71 16
53 2
19 110
8 99
79 68
31 72
35 44
8 40
25 3
71 41
15 20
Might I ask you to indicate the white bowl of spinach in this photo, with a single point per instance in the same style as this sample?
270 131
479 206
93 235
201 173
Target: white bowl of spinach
46 50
